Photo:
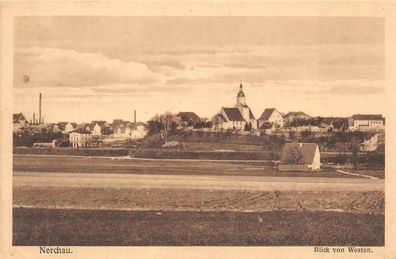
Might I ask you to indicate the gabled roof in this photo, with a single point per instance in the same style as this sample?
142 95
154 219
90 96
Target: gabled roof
267 114
100 123
305 150
303 114
16 117
233 114
188 116
135 125
367 117
220 117
251 116
62 125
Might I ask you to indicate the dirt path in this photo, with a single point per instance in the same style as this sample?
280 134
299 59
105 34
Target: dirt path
363 175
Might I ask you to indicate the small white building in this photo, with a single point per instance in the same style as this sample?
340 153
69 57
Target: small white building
99 128
64 127
130 130
300 157
80 138
272 116
367 122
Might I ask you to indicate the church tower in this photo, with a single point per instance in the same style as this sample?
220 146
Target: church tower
241 96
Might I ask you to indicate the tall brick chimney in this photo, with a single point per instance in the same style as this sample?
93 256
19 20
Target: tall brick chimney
39 122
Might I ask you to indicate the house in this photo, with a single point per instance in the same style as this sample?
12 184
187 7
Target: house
300 157
130 130
139 130
19 122
70 126
188 119
367 122
122 129
80 138
99 128
64 127
272 116
238 117
293 116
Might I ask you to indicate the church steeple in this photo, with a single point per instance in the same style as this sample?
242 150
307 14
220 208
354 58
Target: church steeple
241 95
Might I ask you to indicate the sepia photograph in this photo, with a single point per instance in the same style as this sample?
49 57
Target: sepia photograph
208 131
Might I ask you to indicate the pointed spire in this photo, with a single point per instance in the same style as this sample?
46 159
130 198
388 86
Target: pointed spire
240 93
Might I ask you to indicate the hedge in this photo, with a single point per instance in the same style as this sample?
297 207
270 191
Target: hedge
177 154
72 151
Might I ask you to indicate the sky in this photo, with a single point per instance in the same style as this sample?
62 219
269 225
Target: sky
104 68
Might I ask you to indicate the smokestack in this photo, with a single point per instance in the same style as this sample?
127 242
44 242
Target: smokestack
40 109
134 116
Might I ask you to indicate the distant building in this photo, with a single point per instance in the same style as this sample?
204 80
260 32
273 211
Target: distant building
80 138
272 116
64 127
293 116
139 130
367 122
300 157
238 117
99 128
19 122
188 119
130 130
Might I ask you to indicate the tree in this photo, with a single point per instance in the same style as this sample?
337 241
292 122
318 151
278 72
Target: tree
154 127
355 151
248 126
168 121
294 155
217 120
292 136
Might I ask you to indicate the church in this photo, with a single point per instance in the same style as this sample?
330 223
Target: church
238 117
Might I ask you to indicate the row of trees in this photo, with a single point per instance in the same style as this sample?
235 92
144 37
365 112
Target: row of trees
168 121
27 139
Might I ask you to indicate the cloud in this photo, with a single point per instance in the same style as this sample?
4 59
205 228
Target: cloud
59 67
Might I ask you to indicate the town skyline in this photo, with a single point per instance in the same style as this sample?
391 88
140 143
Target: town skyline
108 67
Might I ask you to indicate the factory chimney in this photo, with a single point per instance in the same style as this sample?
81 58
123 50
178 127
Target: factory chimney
40 109
134 116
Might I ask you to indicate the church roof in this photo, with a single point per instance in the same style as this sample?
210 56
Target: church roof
251 116
233 114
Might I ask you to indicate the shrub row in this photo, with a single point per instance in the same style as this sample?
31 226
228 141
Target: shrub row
72 151
178 154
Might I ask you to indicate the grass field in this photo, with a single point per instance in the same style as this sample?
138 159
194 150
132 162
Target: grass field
131 166
35 227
